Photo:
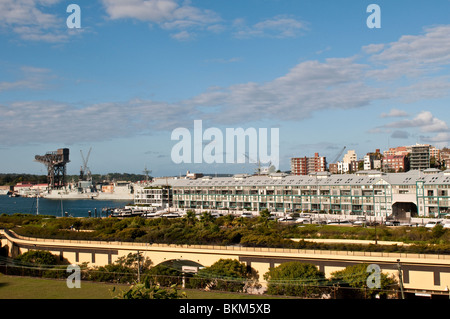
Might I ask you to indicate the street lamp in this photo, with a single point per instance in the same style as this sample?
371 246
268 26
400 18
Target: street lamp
400 276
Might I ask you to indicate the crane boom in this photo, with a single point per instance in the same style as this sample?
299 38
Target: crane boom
339 155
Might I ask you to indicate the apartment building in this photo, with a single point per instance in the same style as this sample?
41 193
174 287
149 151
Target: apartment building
158 194
401 150
395 163
420 157
350 156
308 165
372 193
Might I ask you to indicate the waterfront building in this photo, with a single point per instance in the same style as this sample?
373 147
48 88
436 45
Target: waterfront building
372 193
157 194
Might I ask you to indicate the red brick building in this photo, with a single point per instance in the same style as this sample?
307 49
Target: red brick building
395 163
307 165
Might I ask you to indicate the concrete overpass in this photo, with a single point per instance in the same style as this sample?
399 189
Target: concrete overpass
422 273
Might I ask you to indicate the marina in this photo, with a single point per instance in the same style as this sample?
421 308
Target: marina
58 208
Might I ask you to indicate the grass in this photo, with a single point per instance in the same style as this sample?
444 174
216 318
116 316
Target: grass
16 287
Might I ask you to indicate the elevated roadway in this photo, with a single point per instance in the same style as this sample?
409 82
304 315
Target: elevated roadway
422 273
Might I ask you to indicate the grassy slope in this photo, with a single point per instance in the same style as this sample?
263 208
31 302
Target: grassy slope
13 287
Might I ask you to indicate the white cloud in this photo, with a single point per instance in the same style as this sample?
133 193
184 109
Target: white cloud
412 55
425 88
277 27
309 87
442 138
32 78
168 14
50 121
425 121
29 19
373 48
145 10
394 113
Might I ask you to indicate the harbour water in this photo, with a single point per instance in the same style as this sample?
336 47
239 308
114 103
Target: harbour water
73 207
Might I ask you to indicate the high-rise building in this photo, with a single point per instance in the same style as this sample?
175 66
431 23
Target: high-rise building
307 165
350 156
420 157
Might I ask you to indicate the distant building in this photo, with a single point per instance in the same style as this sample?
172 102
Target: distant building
193 175
350 156
307 165
420 157
344 167
395 163
157 195
401 150
333 168
372 160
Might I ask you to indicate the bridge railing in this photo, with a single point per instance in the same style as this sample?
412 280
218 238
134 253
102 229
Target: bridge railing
149 246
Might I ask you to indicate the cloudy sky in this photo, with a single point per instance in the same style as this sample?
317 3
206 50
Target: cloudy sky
136 70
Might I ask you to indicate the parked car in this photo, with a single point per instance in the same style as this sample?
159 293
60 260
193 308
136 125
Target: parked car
287 219
360 221
432 223
392 223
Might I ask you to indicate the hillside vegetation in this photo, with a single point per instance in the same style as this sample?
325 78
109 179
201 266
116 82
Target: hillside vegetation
227 230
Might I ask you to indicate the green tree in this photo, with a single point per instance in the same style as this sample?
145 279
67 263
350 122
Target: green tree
39 263
123 270
264 216
164 275
206 218
356 276
228 275
190 217
437 231
295 279
37 258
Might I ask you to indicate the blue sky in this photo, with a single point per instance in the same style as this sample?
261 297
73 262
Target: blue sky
136 70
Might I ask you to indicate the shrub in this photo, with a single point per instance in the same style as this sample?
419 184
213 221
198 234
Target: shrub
225 274
295 279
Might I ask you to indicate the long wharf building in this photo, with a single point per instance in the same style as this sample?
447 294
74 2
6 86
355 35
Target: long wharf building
371 193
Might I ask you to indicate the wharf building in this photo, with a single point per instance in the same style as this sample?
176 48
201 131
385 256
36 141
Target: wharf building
369 193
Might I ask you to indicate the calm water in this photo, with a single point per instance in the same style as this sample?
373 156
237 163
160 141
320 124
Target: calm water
74 207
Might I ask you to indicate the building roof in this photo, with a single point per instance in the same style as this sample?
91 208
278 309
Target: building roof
367 179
